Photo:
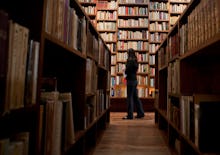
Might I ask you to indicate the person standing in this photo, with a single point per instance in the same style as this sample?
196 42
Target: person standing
132 94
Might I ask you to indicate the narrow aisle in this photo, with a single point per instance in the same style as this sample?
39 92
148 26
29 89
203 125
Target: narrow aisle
132 137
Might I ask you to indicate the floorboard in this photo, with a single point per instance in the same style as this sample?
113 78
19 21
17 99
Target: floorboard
132 137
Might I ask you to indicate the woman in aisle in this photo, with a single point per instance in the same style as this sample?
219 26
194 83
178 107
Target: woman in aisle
132 95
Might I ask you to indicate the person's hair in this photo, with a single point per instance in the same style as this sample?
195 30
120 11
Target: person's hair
131 54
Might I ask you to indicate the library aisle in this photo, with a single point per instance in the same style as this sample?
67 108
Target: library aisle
132 137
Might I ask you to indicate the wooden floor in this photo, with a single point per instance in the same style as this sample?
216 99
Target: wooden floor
132 137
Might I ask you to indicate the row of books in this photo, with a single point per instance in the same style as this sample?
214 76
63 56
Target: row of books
177 8
158 15
195 116
158 6
157 37
163 26
142 80
106 15
108 36
141 57
96 49
89 10
122 56
185 41
143 68
106 5
191 40
95 105
136 45
122 92
64 24
119 68
203 24
56 118
106 26
140 22
126 34
125 10
19 65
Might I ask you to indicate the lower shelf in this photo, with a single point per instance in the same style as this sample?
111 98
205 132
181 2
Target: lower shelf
119 104
175 138
86 140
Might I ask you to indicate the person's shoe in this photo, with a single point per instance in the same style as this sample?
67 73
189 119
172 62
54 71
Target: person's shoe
139 116
126 117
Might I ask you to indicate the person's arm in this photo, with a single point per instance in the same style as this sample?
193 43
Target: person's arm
128 67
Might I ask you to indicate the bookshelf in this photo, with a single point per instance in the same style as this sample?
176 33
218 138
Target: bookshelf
176 9
55 97
133 33
149 29
158 28
90 8
187 78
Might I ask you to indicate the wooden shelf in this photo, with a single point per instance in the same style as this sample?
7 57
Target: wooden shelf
186 74
60 66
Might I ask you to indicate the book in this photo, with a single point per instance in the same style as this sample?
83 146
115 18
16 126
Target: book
84 35
32 72
52 122
17 57
79 34
22 65
185 102
68 133
74 26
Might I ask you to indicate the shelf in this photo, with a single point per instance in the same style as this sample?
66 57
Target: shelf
189 72
205 50
57 62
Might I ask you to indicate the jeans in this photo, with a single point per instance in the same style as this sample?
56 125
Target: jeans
133 99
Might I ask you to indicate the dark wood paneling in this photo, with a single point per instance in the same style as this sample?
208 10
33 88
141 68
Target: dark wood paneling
119 104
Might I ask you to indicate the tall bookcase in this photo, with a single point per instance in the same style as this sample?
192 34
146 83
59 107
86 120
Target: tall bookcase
133 33
176 8
158 29
188 97
55 73
90 8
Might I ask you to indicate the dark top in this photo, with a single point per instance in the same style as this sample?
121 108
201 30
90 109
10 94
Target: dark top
131 69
